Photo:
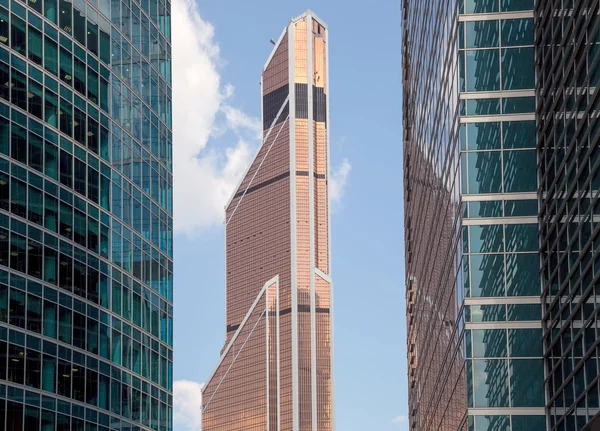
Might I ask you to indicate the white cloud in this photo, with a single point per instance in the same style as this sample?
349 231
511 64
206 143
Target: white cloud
399 420
206 175
204 178
187 405
339 178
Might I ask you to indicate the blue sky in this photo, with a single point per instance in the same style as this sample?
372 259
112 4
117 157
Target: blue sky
219 48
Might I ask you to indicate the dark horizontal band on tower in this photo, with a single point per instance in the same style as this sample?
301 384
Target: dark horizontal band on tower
302 308
274 180
263 184
306 174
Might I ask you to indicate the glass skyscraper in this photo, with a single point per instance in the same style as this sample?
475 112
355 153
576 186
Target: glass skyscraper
86 283
275 370
568 59
474 311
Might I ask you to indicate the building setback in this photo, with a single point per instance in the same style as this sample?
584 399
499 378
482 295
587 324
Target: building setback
474 313
275 371
86 284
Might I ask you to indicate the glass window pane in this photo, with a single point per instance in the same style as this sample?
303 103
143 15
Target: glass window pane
528 423
518 71
490 378
485 209
483 107
481 6
520 171
515 5
525 343
520 312
487 275
523 274
485 313
486 239
521 208
518 105
527 382
483 70
483 136
517 32
489 343
485 172
492 423
519 134
482 34
522 237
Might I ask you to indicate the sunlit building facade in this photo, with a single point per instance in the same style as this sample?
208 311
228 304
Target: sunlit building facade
275 370
86 284
474 313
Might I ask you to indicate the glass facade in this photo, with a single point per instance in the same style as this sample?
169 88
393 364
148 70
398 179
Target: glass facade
474 311
275 371
86 283
568 37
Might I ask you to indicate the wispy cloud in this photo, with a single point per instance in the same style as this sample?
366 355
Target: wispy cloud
339 179
187 405
204 176
399 420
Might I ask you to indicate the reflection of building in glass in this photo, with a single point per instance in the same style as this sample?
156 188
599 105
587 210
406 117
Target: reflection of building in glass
568 106
472 259
275 368
85 215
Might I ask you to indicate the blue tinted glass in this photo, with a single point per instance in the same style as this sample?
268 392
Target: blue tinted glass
486 313
520 171
523 274
487 275
485 172
527 382
485 209
489 343
481 6
524 312
486 239
481 34
518 71
525 343
518 105
517 32
483 136
492 423
490 381
515 5
483 70
518 134
521 208
522 237
483 107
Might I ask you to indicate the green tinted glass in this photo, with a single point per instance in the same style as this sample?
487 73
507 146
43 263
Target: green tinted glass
518 71
484 172
487 275
483 70
517 32
481 34
483 136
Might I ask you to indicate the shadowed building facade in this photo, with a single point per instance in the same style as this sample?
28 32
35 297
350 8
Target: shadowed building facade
275 371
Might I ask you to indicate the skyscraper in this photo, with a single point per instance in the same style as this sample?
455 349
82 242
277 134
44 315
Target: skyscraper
85 215
474 313
568 101
275 371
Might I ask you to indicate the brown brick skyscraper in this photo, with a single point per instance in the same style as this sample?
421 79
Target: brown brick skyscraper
275 371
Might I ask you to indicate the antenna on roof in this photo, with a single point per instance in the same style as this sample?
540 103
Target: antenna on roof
273 42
